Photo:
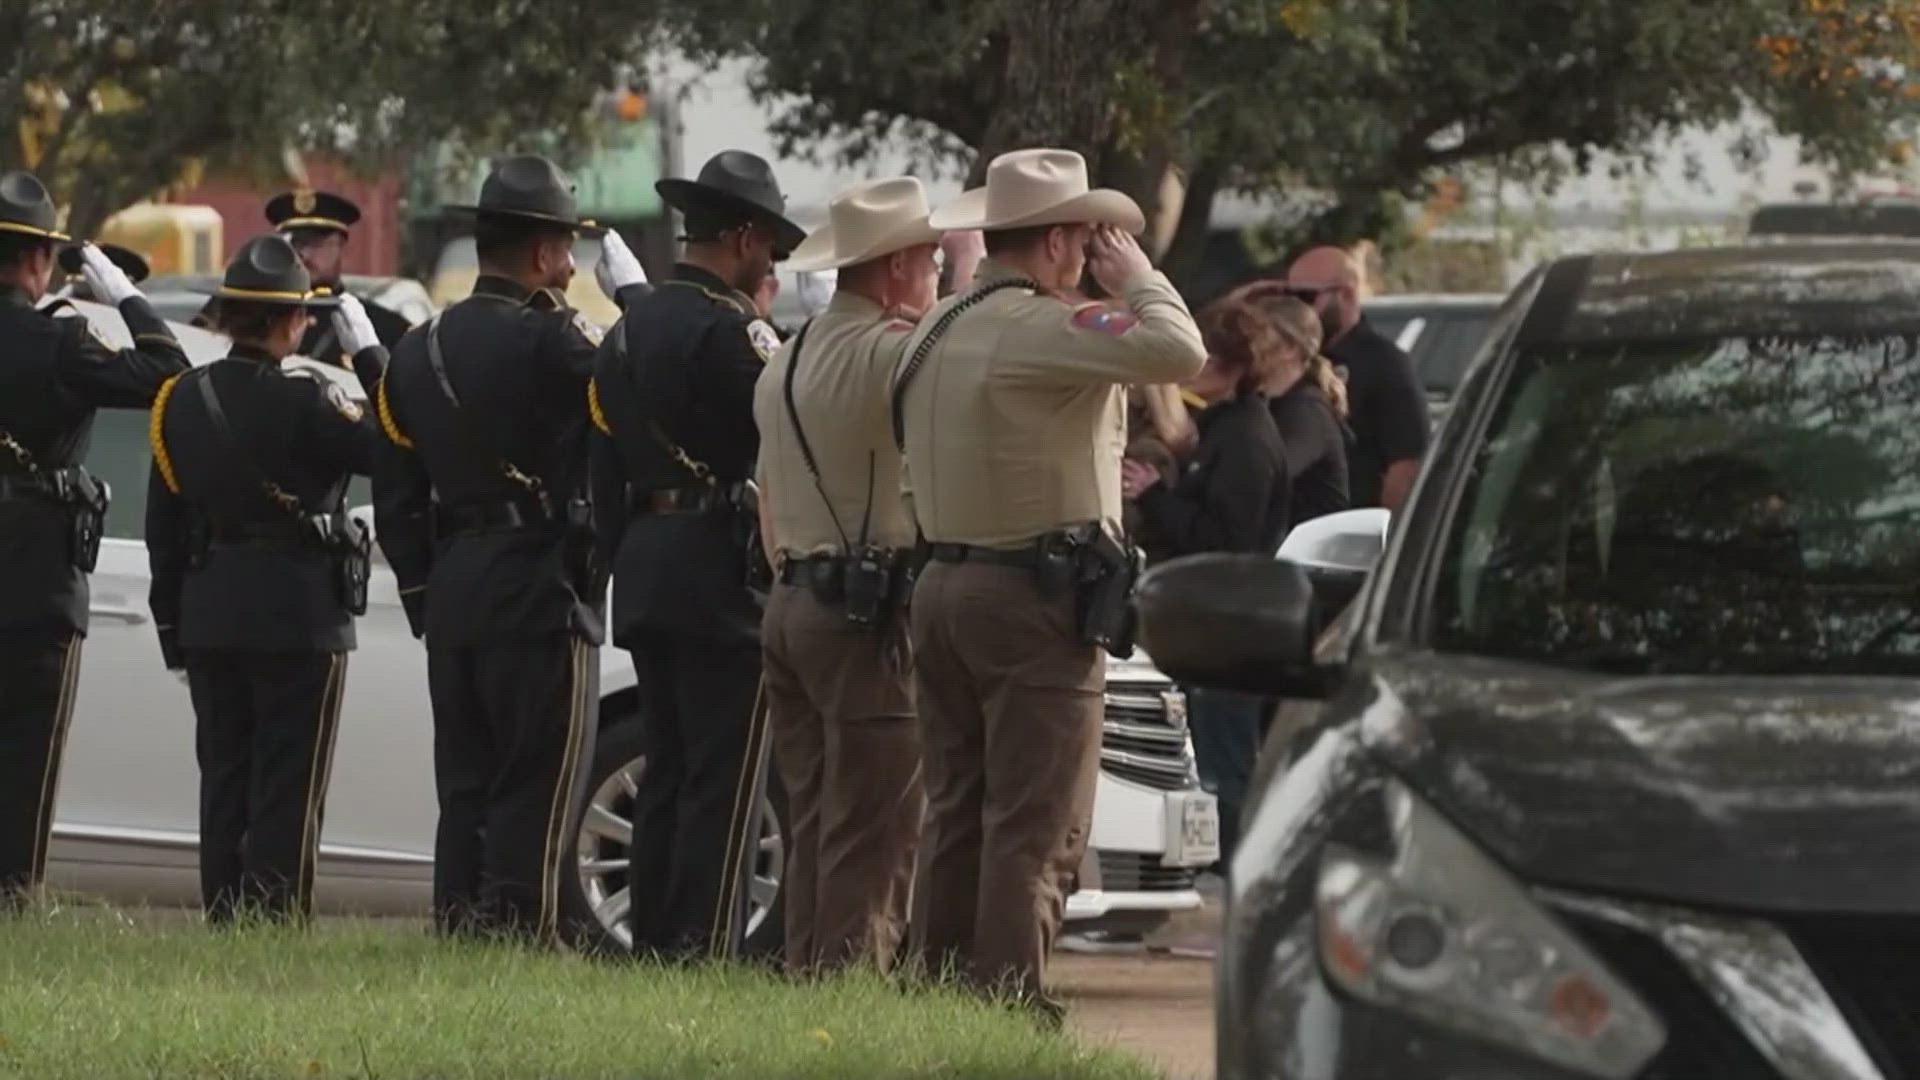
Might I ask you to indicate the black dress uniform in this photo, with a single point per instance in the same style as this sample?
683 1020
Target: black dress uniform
54 372
246 532
676 445
303 212
480 503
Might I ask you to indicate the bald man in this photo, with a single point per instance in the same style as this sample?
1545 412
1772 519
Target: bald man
1387 408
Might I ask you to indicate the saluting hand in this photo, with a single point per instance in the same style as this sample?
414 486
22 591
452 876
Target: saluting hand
108 282
351 325
618 267
1116 260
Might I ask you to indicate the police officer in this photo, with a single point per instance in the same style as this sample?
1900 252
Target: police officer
318 225
257 574
838 671
53 374
673 392
1012 405
480 504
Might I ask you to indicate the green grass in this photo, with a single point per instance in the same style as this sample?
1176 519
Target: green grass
96 994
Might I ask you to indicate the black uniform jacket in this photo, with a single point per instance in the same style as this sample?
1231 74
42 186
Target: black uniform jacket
680 366
54 372
305 436
518 363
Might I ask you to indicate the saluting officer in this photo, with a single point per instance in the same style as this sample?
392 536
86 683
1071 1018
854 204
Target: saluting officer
53 374
673 390
318 224
480 504
258 573
838 668
1012 402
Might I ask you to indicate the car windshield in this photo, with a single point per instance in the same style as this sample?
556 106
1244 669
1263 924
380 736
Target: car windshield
1742 505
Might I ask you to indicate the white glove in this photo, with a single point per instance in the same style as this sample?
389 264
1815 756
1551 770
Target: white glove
618 266
351 325
108 282
816 290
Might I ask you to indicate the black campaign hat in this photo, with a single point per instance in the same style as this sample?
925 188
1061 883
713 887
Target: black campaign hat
304 208
26 207
127 259
532 189
734 183
266 270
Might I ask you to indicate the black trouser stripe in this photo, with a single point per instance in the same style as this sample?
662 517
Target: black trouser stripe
56 747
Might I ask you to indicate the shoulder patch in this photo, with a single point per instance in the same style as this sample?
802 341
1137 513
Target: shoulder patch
765 341
588 328
338 397
1102 319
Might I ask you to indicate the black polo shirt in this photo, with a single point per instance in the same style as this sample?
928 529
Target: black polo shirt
1386 408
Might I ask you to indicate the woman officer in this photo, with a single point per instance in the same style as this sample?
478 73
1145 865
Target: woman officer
257 574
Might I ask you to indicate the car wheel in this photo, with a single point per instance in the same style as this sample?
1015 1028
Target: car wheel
595 897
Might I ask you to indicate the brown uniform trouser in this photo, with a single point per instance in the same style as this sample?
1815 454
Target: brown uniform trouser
1010 714
841 713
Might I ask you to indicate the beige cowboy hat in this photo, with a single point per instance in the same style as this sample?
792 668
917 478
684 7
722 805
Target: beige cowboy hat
865 222
1026 188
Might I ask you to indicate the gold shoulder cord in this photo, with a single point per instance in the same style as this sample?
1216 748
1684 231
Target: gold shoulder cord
156 435
593 407
386 418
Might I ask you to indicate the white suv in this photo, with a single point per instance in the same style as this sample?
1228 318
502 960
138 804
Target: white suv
127 820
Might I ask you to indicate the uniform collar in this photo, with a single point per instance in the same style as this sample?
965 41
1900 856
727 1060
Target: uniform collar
992 270
15 294
853 305
709 282
253 353
495 285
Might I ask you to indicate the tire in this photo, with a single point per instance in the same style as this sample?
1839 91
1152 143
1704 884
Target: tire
593 909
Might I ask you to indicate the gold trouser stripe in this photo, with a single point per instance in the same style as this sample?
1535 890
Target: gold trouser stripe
320 766
553 859
56 747
737 874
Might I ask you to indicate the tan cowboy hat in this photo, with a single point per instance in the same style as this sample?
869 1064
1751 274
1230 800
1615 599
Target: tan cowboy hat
865 222
1039 187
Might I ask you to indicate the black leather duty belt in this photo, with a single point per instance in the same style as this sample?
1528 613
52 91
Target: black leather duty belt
273 535
473 519
686 500
813 572
23 488
1026 558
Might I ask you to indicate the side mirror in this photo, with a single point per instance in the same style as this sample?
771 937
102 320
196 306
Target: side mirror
1231 622
1337 552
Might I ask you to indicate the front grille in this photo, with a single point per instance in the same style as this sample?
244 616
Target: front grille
1126 871
1868 965
1142 741
1702 1043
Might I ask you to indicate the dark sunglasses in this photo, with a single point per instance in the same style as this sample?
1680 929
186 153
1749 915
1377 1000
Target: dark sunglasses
1307 296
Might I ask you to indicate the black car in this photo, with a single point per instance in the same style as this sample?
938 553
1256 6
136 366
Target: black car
1617 768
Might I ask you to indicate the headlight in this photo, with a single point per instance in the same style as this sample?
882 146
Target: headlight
1443 933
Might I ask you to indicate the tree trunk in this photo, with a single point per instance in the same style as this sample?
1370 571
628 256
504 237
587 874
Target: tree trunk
1182 259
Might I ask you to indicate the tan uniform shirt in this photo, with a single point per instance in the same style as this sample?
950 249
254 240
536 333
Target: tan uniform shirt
1016 421
842 391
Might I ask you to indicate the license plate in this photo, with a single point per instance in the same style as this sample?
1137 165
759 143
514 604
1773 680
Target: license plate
1193 829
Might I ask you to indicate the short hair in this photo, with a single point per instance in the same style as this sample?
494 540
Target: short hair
1000 242
248 320
498 240
15 247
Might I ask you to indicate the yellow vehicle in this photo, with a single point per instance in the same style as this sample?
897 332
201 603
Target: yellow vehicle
174 239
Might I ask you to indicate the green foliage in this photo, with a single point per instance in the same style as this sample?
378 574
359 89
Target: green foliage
1354 98
116 98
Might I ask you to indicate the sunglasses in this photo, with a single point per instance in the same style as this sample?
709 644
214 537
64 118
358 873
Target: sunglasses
1307 296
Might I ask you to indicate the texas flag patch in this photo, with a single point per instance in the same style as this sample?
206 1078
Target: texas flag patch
1105 320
